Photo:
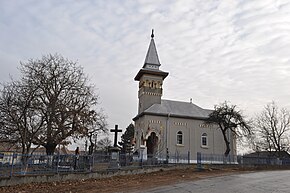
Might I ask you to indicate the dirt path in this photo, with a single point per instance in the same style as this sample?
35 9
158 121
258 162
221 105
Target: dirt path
127 183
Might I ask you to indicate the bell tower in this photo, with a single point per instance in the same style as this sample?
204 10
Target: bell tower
150 79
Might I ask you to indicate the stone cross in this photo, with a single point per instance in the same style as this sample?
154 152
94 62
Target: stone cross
116 130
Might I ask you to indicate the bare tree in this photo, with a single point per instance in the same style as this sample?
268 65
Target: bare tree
67 99
104 144
272 129
20 121
230 121
97 123
52 102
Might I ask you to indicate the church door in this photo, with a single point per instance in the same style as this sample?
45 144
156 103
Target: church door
152 144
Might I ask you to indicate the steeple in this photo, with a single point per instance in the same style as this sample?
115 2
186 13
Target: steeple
150 79
152 60
151 63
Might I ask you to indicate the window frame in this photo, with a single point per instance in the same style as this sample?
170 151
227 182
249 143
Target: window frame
204 137
179 138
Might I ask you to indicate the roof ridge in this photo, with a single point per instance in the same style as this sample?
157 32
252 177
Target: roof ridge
181 102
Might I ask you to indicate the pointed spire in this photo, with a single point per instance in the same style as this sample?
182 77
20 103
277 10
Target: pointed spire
151 64
152 56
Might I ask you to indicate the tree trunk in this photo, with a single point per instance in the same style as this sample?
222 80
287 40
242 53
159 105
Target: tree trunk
91 147
228 148
50 148
24 157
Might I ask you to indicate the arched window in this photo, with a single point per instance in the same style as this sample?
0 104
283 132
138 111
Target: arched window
179 137
204 140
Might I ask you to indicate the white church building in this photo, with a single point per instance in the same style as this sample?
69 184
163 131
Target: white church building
171 128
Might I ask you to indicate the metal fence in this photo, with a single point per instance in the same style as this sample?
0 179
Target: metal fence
18 164
218 159
242 160
255 160
15 164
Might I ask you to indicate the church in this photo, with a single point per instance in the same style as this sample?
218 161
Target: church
168 128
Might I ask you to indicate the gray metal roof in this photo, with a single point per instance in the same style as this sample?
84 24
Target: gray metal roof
177 108
152 56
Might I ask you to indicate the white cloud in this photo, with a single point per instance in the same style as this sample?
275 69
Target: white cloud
214 50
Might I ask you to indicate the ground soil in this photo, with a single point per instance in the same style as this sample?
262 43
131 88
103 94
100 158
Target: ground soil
128 183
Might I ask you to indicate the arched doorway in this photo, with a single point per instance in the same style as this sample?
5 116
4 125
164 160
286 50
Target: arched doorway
152 145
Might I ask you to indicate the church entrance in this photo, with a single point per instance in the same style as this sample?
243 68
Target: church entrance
152 145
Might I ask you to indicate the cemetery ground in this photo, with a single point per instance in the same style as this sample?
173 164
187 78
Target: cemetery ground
129 183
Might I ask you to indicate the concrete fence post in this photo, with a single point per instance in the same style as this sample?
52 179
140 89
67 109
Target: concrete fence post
93 163
57 163
12 165
198 161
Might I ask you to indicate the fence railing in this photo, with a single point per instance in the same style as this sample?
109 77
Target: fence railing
15 164
18 164
242 160
255 160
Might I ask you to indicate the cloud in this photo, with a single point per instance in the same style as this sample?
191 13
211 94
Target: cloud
214 50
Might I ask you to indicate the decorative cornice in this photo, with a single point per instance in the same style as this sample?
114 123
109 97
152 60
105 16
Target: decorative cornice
150 72
150 93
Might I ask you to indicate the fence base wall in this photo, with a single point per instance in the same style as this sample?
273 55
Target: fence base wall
16 180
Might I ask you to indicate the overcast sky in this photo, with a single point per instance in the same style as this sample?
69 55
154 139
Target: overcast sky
214 50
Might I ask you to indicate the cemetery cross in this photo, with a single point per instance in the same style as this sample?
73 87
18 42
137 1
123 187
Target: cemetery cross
116 130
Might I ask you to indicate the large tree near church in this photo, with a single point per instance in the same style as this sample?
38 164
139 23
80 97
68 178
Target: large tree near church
63 100
230 122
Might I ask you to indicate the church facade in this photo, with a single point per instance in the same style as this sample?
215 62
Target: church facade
165 128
